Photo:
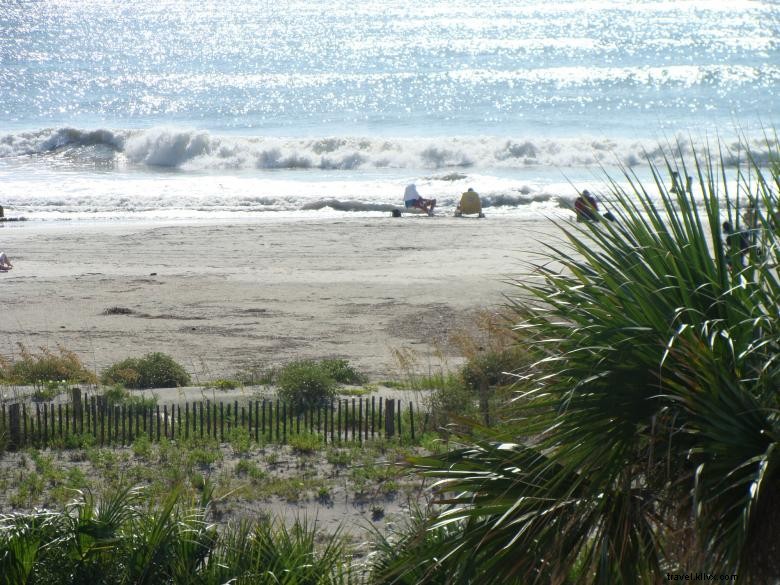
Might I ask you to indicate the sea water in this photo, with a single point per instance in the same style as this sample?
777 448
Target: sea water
185 110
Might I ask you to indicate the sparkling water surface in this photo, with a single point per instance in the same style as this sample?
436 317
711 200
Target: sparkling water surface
280 106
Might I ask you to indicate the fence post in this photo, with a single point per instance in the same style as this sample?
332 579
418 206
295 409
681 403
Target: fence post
338 423
75 398
284 425
331 422
398 414
101 409
38 426
389 418
360 421
262 422
411 419
94 408
484 400
165 418
14 436
277 419
257 420
24 425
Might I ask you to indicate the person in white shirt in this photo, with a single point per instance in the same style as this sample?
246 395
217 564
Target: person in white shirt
5 263
413 199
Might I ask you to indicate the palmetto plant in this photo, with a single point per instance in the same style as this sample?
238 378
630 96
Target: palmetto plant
646 438
118 539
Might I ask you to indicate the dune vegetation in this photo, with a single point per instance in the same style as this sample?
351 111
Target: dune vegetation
644 441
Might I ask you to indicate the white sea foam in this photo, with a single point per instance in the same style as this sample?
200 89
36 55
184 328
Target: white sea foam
197 150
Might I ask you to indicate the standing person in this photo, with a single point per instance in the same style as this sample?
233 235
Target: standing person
586 207
5 263
413 199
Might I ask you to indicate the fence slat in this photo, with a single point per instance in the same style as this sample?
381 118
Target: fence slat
14 427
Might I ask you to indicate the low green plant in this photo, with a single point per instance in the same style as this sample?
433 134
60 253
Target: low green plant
305 443
339 457
305 384
118 539
204 455
360 391
240 440
492 368
142 447
154 370
39 368
49 390
224 384
247 467
342 372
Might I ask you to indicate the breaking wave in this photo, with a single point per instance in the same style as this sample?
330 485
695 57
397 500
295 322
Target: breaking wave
188 149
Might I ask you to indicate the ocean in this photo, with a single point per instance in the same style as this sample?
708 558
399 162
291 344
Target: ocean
174 110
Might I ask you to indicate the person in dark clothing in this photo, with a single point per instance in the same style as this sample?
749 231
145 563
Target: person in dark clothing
586 207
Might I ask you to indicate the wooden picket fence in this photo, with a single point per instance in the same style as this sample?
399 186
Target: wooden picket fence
44 424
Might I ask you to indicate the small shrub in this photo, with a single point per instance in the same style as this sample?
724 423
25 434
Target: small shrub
142 447
342 372
257 375
224 384
377 512
204 456
251 470
240 440
339 457
491 367
48 391
116 394
305 443
154 370
36 368
305 384
361 391
323 494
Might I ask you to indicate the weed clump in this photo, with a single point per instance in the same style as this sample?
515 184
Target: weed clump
491 368
343 372
154 370
38 368
305 384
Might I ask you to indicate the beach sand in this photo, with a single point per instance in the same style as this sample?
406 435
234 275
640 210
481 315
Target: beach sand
228 296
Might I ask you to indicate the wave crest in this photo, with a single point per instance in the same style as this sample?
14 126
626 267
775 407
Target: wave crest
199 150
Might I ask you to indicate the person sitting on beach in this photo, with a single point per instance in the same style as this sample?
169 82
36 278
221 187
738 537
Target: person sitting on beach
5 263
413 199
586 207
469 204
737 244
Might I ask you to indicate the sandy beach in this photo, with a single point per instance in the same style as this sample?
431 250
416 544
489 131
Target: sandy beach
228 296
